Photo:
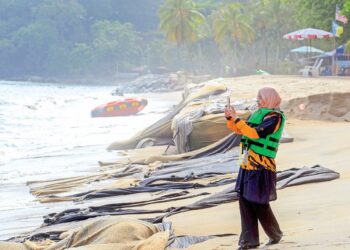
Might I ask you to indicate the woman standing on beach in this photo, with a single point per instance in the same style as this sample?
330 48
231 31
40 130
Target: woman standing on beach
256 181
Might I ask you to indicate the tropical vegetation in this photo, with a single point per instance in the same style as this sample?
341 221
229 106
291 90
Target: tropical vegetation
94 39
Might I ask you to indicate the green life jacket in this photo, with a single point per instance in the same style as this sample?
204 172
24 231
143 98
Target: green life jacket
264 146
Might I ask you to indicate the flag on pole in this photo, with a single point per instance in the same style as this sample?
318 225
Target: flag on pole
337 30
339 17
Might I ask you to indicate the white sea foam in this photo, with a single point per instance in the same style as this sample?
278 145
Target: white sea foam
46 132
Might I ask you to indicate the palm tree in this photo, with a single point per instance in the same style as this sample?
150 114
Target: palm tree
229 22
180 21
231 30
263 19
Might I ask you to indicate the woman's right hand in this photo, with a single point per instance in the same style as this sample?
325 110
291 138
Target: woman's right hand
230 112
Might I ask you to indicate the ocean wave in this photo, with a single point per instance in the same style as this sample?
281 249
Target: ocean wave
49 127
3 158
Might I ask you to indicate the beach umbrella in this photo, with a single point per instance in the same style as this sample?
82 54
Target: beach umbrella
306 49
308 34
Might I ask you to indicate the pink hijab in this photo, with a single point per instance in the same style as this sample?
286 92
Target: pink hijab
269 98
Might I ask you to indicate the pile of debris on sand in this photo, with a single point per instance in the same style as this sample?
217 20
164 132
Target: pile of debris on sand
157 83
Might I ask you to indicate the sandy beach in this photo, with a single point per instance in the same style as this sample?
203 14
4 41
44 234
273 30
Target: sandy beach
311 216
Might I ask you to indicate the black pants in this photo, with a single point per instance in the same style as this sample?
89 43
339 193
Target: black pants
250 214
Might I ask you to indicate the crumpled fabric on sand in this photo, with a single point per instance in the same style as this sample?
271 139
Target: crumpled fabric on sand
291 177
215 164
109 233
182 128
45 190
162 128
129 234
104 234
287 178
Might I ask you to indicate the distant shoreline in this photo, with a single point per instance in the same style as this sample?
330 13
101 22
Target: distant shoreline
77 81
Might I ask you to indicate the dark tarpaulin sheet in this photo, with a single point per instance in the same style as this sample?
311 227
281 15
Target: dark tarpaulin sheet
222 163
176 173
113 209
285 178
225 144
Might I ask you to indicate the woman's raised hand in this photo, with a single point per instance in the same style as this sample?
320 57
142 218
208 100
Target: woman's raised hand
230 112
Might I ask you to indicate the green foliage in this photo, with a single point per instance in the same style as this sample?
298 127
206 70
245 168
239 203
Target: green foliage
69 38
32 44
316 14
66 16
346 8
180 21
114 42
77 38
230 22
13 15
142 14
270 22
7 52
81 59
347 47
97 9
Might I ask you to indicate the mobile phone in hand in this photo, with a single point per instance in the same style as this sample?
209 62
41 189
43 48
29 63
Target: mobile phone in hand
228 102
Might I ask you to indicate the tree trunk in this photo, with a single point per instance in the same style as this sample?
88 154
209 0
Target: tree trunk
190 56
277 49
266 49
278 31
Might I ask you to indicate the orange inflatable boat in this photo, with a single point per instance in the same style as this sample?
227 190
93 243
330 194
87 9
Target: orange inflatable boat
128 106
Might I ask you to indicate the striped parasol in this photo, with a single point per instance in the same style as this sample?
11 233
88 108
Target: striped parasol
309 34
307 49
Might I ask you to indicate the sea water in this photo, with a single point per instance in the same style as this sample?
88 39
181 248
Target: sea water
46 132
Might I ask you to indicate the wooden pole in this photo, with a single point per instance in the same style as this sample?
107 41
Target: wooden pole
334 66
